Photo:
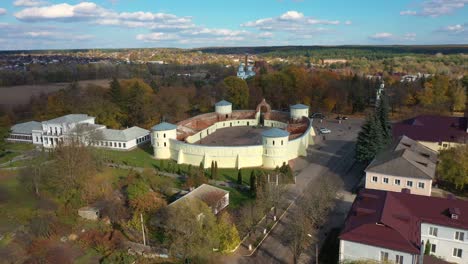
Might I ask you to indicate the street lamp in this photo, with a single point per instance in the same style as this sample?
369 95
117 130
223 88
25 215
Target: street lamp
316 249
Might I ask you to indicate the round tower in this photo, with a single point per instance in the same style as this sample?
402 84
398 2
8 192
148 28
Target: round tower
223 109
298 111
275 147
161 135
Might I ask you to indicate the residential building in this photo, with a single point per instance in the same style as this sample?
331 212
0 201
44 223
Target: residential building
390 226
50 133
406 165
434 132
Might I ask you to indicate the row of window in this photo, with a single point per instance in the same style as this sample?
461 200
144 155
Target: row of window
384 257
20 137
459 235
57 132
110 144
409 183
144 139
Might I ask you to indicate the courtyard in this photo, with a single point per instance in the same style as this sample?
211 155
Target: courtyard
234 136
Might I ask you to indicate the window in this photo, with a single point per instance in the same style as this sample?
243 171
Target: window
399 259
281 142
164 143
385 180
397 182
457 252
164 135
273 142
124 145
383 256
433 248
445 145
409 183
120 145
421 185
433 231
115 144
374 179
460 236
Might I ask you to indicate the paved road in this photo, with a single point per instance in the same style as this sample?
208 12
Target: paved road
326 156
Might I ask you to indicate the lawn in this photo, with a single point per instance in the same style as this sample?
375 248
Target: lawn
237 198
17 205
142 157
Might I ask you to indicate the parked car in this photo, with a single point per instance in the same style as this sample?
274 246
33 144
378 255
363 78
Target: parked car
344 118
318 115
324 130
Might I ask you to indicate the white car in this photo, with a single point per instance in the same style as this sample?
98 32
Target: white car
324 130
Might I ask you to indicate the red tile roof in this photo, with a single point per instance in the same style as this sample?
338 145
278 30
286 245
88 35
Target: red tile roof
433 128
392 220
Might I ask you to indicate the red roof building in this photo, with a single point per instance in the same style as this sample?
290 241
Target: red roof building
437 131
390 226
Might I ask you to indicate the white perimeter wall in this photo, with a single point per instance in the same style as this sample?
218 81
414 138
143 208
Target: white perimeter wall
235 156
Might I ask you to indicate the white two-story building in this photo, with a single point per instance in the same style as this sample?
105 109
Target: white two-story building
51 133
395 227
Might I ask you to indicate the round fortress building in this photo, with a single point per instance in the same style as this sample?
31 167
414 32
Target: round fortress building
236 138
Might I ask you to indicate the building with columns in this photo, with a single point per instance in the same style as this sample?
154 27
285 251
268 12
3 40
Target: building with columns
82 127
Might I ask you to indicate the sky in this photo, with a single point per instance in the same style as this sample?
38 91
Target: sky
74 24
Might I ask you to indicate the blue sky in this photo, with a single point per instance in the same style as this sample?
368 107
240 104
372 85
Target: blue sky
46 24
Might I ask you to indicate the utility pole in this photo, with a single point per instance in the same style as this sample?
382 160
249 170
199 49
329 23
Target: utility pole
316 253
143 229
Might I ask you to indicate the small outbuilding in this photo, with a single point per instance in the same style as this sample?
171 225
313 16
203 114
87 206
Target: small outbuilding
89 212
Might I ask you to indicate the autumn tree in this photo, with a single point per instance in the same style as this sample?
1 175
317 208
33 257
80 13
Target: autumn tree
237 92
227 233
191 229
453 166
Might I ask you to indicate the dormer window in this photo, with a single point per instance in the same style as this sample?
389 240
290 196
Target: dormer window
454 213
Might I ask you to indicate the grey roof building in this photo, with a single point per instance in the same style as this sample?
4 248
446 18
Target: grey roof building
407 164
163 126
123 135
223 103
26 128
72 118
407 158
299 106
275 132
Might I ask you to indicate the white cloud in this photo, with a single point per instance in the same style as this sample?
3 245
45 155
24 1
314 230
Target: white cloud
454 29
291 15
410 36
14 32
348 22
291 21
435 8
3 11
382 36
93 13
157 37
29 3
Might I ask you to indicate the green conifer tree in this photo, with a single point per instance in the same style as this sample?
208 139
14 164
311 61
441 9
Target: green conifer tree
239 177
384 121
369 141
115 91
253 183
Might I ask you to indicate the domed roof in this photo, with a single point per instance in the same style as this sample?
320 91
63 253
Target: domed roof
223 103
299 106
275 132
164 126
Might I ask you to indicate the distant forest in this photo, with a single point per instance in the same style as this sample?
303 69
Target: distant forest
328 51
377 52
